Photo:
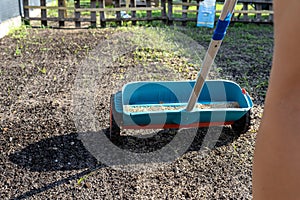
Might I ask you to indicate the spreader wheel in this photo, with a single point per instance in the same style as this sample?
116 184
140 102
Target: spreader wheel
242 125
114 127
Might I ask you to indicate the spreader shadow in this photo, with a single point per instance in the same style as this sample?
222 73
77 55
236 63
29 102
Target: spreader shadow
67 152
159 139
57 153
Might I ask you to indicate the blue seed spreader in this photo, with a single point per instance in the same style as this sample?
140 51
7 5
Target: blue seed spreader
184 104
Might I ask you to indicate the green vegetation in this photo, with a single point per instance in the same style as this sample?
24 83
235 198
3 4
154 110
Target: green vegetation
19 32
42 70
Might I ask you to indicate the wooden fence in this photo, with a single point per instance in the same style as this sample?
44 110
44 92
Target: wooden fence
96 14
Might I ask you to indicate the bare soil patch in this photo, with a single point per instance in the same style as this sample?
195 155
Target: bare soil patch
42 156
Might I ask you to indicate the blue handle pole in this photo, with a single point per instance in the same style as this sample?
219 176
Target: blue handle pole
212 51
221 28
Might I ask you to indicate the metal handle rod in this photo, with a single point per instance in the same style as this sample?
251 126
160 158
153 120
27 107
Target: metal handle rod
212 51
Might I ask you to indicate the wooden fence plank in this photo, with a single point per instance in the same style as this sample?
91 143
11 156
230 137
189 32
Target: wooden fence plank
43 13
251 11
163 11
198 4
271 14
149 12
256 1
117 9
93 14
77 14
133 13
61 13
170 12
50 7
26 12
118 13
184 14
258 15
236 11
57 19
102 14
185 3
245 7
136 19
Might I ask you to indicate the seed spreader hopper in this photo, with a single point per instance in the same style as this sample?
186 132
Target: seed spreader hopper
184 104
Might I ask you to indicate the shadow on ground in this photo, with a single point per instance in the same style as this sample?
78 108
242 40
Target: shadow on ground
57 153
67 152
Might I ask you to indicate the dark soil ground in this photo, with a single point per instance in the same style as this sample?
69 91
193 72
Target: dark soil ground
45 72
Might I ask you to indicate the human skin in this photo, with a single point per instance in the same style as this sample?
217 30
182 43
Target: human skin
276 168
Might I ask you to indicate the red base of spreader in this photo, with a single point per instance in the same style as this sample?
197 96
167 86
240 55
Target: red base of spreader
168 126
175 126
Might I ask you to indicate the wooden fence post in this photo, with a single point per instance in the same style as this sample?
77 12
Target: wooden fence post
102 14
118 13
26 12
258 15
271 15
77 14
198 5
245 7
149 12
164 11
61 13
43 13
133 13
170 12
93 14
184 14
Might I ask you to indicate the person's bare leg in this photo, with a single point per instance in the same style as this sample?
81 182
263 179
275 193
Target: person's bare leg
276 170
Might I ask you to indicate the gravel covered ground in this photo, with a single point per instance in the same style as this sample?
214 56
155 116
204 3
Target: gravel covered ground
48 75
